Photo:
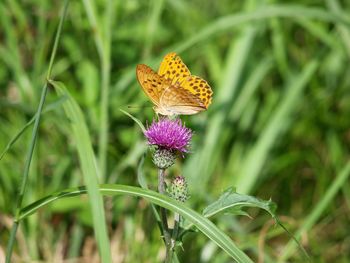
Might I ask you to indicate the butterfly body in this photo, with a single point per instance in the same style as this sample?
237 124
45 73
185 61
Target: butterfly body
173 90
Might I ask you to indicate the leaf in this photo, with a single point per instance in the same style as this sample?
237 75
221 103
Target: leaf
140 175
135 119
226 23
202 223
232 202
89 168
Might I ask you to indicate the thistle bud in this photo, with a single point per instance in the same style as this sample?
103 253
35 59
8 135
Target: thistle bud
164 158
178 189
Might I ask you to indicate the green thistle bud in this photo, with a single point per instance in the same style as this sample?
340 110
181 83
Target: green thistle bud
164 158
178 189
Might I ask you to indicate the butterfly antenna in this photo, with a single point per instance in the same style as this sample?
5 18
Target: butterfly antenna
138 106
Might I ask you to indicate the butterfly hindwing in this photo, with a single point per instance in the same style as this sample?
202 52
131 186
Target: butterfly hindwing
180 101
173 69
200 88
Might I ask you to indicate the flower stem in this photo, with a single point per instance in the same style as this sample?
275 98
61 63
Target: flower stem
163 216
177 219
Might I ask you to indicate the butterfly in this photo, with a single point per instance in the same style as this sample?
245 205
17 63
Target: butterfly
173 90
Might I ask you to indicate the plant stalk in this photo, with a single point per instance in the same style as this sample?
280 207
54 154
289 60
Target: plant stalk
24 181
105 87
177 220
163 216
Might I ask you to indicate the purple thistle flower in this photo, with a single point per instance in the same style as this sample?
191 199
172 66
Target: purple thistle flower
169 134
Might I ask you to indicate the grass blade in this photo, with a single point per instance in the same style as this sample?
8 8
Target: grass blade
135 119
256 158
315 214
202 223
89 169
289 11
28 161
201 165
102 34
50 107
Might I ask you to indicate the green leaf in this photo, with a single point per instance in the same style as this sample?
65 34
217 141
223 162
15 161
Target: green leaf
232 202
89 169
140 175
202 223
135 119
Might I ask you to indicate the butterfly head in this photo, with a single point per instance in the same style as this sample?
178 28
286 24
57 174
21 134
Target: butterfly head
162 111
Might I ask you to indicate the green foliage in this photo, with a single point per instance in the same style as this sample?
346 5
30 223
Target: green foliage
232 202
89 168
203 224
278 127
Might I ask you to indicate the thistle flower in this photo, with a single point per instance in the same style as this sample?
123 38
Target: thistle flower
170 137
169 134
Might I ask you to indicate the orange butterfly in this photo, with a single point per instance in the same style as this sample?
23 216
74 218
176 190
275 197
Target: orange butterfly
173 90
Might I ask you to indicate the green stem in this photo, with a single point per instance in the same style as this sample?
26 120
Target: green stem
177 220
163 215
102 37
105 83
33 141
104 127
30 152
57 39
11 242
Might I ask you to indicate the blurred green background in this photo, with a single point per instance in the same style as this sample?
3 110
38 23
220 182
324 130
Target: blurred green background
278 127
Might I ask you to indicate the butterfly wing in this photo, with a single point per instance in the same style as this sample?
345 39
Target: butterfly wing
200 88
174 90
173 69
152 84
179 101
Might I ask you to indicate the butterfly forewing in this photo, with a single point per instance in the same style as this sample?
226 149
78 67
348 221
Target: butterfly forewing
152 84
173 69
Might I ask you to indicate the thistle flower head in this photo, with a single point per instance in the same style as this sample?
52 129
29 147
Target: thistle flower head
169 134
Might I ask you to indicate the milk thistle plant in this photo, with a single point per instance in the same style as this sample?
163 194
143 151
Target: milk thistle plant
174 91
171 139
